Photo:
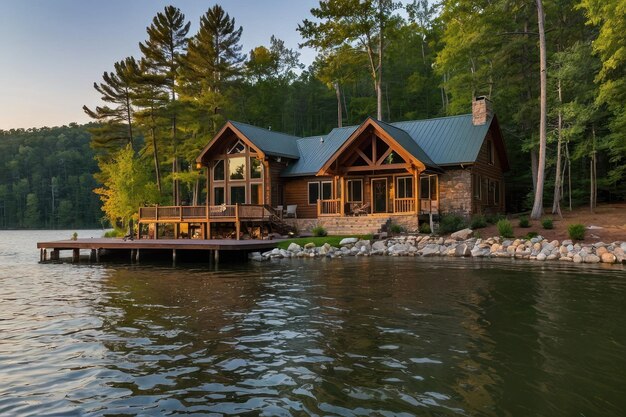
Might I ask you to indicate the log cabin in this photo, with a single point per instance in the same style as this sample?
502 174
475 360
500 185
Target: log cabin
398 172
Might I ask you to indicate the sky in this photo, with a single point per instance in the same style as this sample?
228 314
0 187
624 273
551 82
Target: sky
52 51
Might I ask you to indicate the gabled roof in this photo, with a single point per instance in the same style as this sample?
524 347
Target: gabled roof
265 141
270 142
443 141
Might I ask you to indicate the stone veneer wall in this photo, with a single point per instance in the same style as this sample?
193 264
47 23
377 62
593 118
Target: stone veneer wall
455 192
370 224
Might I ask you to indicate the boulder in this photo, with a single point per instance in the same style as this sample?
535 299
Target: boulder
623 246
567 242
619 254
309 245
601 251
348 241
541 256
592 259
608 258
379 245
294 247
577 259
462 250
431 250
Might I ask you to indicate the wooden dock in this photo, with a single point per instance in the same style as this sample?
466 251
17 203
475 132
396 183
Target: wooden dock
133 248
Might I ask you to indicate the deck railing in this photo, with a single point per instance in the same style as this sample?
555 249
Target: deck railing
199 213
404 205
328 207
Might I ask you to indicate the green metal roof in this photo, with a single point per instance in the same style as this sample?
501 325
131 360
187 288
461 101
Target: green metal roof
270 142
437 142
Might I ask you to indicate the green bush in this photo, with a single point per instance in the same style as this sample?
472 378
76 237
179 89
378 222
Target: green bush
504 228
524 222
395 228
425 228
450 223
576 231
494 218
531 235
478 222
547 224
319 231
115 233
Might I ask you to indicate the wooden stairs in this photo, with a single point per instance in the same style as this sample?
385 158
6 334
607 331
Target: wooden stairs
358 225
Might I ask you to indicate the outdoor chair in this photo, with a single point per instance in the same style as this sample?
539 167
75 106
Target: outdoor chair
291 211
359 209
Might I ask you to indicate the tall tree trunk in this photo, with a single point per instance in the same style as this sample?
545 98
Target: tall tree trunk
556 200
538 205
593 198
534 164
569 175
155 154
379 80
339 114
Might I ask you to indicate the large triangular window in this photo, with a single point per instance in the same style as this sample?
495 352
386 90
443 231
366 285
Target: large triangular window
238 147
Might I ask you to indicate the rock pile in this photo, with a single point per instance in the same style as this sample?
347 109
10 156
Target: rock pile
537 248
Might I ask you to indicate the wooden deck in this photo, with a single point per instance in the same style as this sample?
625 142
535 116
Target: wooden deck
135 247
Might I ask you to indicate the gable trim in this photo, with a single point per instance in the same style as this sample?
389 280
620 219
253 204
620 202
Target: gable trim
220 134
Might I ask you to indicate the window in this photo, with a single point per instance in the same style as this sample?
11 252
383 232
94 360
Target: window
405 187
237 168
218 170
218 195
256 194
476 186
256 168
327 190
494 189
314 192
238 194
355 191
238 147
428 187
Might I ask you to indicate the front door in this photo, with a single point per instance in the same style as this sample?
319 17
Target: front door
379 195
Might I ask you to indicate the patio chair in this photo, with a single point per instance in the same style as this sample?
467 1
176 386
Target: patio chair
291 211
360 209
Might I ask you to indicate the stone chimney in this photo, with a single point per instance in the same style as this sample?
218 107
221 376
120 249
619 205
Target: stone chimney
481 110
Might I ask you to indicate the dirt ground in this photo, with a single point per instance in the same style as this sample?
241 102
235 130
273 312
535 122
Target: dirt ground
607 224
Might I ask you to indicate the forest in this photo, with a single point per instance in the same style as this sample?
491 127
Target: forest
390 60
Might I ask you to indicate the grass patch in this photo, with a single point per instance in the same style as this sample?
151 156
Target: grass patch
319 241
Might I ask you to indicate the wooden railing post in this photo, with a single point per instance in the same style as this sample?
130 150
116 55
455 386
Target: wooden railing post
156 212
237 224
319 207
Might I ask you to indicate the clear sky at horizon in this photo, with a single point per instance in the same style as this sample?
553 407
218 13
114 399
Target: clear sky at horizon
52 51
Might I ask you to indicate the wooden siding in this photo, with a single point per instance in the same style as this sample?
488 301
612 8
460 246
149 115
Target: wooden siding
296 191
487 172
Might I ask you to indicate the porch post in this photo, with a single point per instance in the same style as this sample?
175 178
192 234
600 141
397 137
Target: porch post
416 180
342 208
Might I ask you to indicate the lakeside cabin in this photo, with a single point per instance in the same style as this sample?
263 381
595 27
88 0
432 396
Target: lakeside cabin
358 177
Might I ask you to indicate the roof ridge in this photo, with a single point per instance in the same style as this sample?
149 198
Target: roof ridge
277 132
428 120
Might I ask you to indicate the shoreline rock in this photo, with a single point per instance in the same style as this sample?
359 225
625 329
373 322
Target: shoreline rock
537 249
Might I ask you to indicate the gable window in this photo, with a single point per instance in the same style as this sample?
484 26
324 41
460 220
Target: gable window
238 147
218 170
404 188
314 192
355 191
256 168
237 168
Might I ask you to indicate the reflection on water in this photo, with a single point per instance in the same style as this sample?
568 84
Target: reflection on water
366 336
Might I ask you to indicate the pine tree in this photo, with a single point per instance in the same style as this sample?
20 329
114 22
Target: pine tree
166 44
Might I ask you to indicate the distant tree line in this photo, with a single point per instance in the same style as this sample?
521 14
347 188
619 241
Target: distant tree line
47 179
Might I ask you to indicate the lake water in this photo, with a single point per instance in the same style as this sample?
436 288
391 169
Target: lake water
344 337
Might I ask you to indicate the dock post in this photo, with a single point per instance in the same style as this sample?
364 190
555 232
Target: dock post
75 255
93 255
97 255
136 255
54 255
132 255
216 256
174 256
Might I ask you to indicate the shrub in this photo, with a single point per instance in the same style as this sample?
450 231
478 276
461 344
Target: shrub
531 235
576 231
450 223
319 231
478 221
547 224
524 222
504 228
395 228
494 218
425 228
114 233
